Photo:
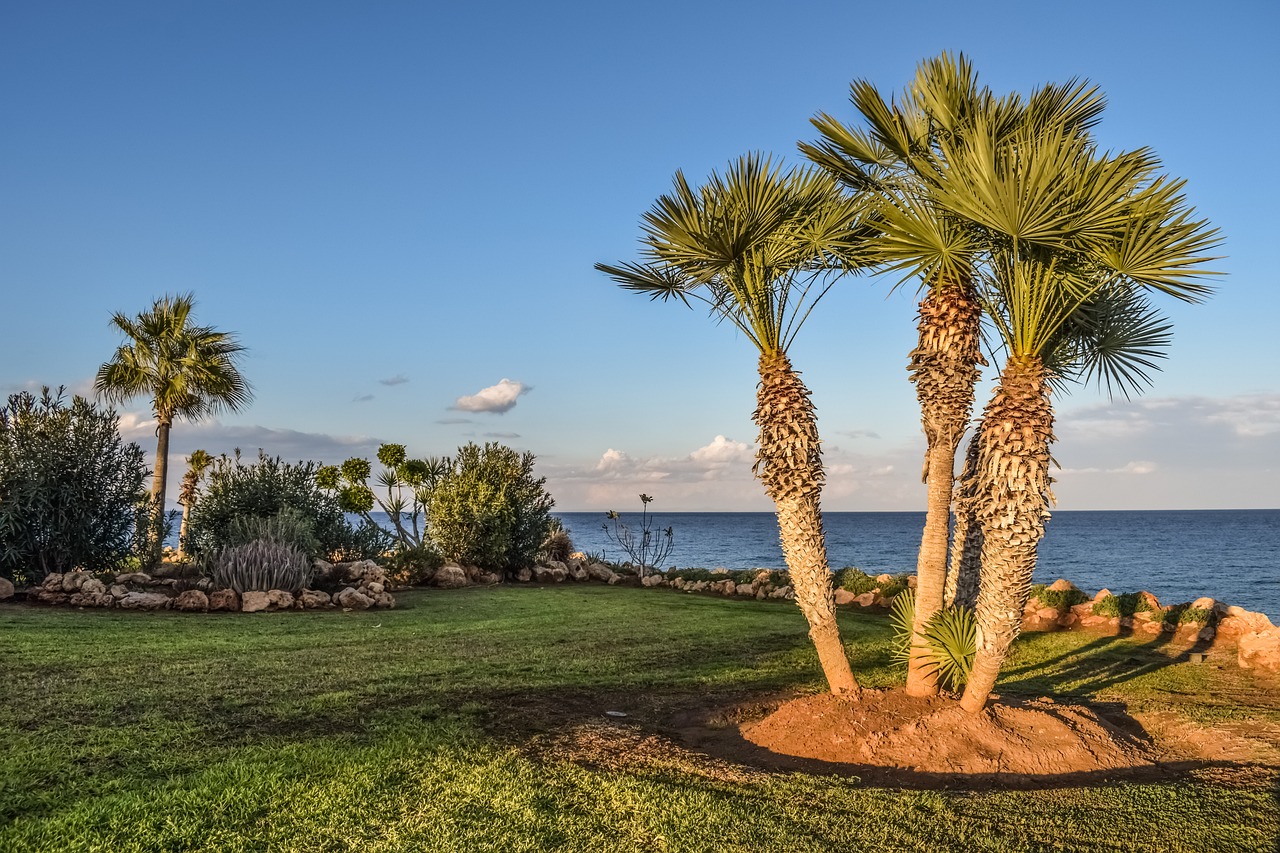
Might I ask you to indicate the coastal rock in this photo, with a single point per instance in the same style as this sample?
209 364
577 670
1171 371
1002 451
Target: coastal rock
553 572
1204 603
1151 600
191 601
254 601
844 597
279 599
224 599
145 601
6 589
1260 650
1062 585
350 599
93 586
866 599
72 581
884 579
384 601
53 580
653 580
91 599
375 588
783 592
744 589
449 576
134 577
912 582
312 599
524 575
1102 593
601 572
578 570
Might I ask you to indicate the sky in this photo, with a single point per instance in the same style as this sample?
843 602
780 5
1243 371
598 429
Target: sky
396 207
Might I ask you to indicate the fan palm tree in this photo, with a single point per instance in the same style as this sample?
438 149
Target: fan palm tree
760 246
898 158
188 371
1070 238
197 464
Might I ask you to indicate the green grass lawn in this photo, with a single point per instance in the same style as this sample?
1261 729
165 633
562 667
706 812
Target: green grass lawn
434 727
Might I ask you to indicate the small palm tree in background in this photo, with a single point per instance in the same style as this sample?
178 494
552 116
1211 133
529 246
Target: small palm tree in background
197 464
761 246
187 371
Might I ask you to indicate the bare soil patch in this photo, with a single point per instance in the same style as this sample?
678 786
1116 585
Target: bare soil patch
934 736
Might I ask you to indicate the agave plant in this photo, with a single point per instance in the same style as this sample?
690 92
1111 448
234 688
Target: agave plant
950 639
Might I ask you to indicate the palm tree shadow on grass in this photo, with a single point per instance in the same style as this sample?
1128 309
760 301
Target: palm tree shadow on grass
1103 662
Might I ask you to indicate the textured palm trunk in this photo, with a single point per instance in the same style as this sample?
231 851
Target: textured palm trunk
1014 498
966 538
944 368
158 482
182 529
789 464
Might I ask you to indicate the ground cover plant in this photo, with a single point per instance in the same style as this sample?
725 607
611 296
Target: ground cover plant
475 720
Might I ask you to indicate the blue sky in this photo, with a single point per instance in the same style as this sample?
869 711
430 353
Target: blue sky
397 207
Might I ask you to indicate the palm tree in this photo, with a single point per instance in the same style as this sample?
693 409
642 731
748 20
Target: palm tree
761 246
898 158
197 464
188 371
1070 238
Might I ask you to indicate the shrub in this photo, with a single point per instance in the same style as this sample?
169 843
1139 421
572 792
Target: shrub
647 546
855 580
69 487
1059 599
693 575
413 566
406 488
261 565
1121 605
558 545
236 493
1185 614
489 510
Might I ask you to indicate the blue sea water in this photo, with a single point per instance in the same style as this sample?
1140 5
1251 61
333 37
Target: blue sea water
1232 555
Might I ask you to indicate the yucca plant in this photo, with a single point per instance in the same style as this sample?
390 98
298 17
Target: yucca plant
260 566
950 639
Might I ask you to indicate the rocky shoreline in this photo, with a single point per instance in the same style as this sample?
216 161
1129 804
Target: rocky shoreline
1206 626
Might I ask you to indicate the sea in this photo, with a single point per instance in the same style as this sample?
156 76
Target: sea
1178 555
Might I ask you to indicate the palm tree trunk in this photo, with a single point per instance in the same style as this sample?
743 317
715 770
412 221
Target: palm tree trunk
966 538
182 529
789 464
158 483
944 368
1014 497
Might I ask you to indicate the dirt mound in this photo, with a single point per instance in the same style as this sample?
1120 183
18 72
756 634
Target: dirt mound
888 729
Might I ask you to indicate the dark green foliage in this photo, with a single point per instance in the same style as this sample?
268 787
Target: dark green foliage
855 581
1185 614
488 509
287 527
1121 605
951 637
1059 599
693 575
558 544
413 566
266 489
261 565
70 488
406 485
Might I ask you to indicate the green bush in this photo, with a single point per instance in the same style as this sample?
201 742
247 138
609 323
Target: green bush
413 566
558 544
488 509
70 488
1059 599
855 581
261 565
270 488
1185 614
693 575
1121 605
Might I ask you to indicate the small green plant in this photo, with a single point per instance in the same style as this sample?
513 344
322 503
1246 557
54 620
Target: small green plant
1185 614
558 545
261 565
406 489
648 547
855 580
693 575
951 637
287 527
413 566
1123 605
1058 599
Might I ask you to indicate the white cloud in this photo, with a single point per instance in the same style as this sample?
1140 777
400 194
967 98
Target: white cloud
496 398
723 451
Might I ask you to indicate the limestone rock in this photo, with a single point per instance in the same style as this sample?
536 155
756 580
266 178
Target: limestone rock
744 589
191 601
53 580
844 597
1061 585
578 570
653 580
375 588
524 575
145 601
384 601
254 601
1102 593
91 599
488 578
134 577
449 576
912 582
72 581
884 579
601 572
866 599
280 599
311 599
351 599
93 586
1204 603
554 572
6 589
224 599
1260 650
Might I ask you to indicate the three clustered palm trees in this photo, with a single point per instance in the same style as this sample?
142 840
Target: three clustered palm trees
1020 233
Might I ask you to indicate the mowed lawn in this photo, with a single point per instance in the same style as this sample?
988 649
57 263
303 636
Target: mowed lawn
475 720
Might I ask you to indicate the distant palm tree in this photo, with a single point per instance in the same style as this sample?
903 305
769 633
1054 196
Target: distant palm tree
760 246
197 463
898 158
188 371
